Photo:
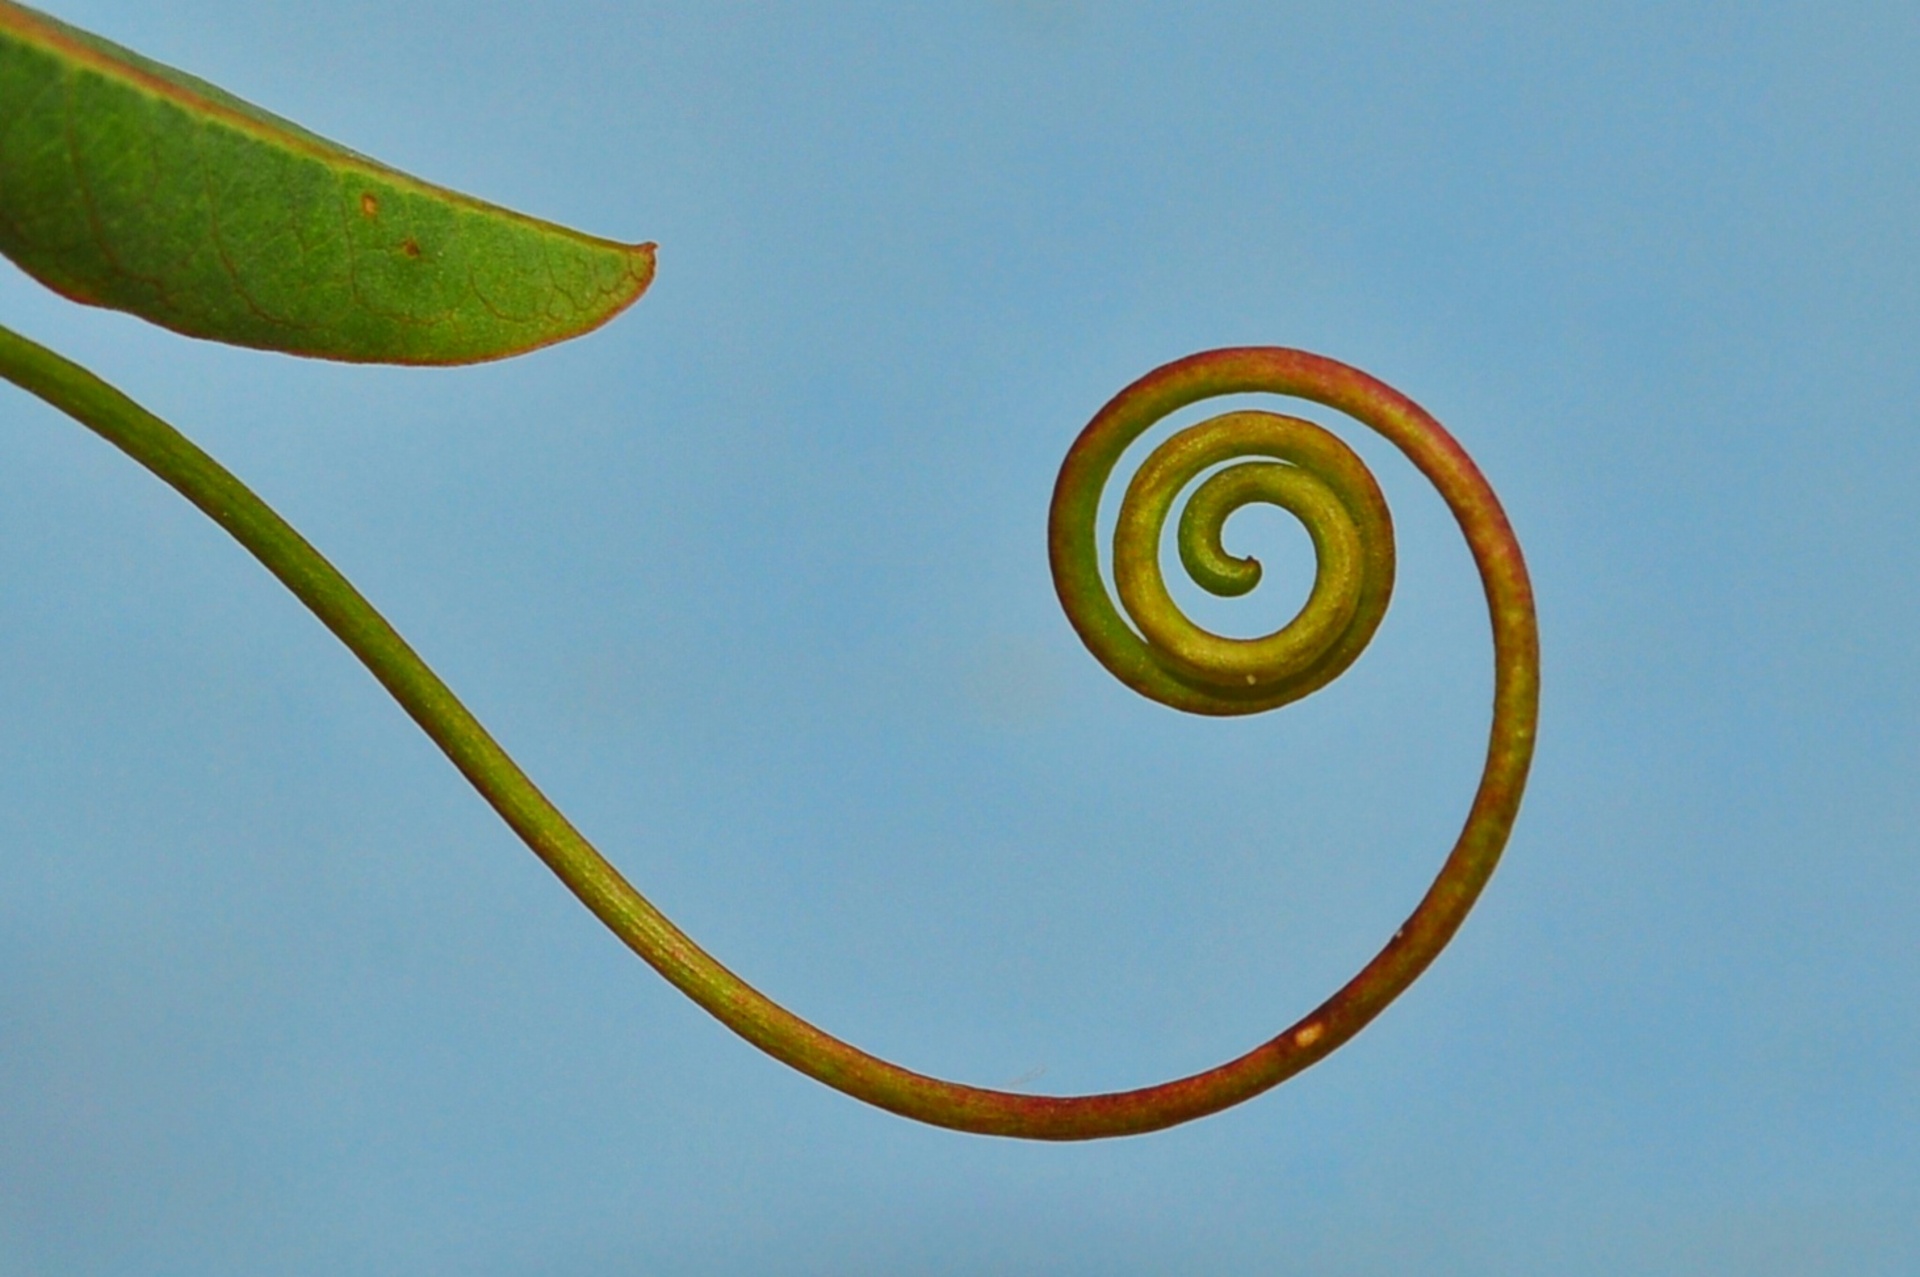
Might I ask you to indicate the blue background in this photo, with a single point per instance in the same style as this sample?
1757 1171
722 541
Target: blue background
753 581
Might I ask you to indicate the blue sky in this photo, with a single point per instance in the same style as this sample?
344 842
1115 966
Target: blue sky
754 583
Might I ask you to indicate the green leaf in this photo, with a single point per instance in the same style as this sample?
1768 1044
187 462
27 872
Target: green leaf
127 184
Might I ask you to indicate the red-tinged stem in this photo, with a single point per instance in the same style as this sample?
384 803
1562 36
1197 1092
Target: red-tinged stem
1347 604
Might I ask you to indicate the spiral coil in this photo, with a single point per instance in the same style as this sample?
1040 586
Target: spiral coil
1310 473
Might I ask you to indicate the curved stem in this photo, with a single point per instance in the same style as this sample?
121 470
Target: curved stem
775 1030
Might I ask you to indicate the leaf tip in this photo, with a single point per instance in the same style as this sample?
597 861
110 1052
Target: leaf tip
640 268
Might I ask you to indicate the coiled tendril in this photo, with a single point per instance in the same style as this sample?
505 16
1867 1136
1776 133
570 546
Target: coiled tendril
1312 474
1307 471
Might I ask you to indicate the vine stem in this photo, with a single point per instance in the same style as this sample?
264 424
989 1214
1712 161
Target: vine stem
429 702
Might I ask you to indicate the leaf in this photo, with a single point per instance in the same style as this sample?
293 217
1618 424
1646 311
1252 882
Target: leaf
127 184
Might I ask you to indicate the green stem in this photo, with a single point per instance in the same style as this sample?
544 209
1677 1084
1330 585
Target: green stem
775 1030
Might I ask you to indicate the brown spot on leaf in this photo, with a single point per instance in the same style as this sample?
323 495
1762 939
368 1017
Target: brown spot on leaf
410 246
369 206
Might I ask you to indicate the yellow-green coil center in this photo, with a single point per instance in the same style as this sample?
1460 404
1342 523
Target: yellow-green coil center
1309 473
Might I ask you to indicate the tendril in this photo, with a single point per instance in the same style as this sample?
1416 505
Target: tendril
1303 469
